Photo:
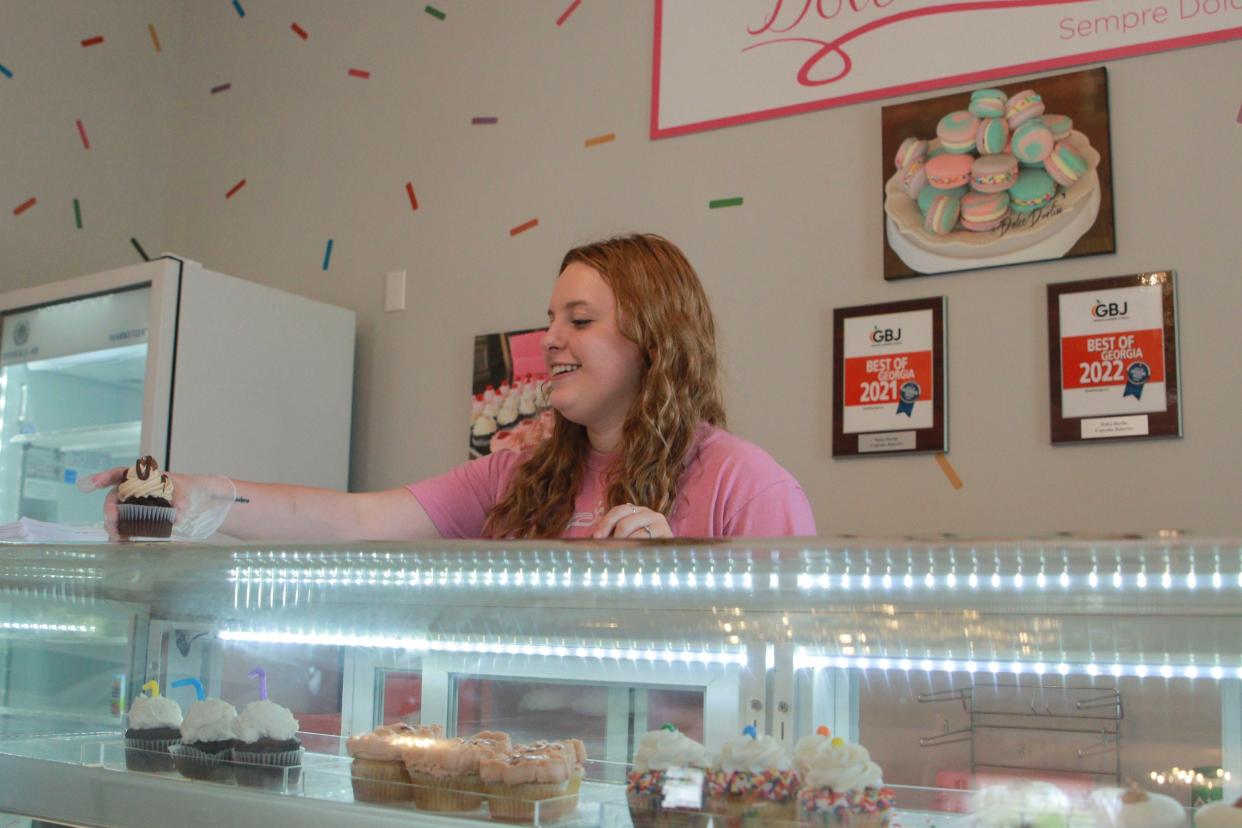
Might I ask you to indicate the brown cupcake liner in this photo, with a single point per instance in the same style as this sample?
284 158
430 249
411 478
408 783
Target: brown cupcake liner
139 521
149 755
193 763
268 769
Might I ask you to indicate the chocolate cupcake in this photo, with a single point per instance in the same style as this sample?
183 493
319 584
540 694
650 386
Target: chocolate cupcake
206 741
154 727
144 501
267 749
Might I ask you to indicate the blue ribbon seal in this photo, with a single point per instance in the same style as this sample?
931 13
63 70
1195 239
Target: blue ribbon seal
910 392
1137 375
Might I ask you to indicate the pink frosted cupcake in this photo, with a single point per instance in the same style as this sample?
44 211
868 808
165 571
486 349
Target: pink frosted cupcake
445 772
378 770
527 781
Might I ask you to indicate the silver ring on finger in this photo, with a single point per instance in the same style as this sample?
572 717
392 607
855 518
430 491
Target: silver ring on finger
647 529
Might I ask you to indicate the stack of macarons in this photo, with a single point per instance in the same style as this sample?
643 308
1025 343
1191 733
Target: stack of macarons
1001 155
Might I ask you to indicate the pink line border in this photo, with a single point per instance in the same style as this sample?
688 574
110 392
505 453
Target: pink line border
1134 50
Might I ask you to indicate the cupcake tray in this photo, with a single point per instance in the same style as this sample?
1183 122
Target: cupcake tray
84 778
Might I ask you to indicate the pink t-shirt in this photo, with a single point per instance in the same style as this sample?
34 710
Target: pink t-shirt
731 488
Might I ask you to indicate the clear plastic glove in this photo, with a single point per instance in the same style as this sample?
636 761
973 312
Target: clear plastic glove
202 502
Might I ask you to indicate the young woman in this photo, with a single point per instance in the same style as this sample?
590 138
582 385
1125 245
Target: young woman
638 449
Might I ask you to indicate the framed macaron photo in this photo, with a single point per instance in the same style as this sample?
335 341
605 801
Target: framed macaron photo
998 175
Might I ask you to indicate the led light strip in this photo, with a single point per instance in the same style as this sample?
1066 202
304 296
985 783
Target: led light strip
803 660
493 648
548 578
1016 582
15 625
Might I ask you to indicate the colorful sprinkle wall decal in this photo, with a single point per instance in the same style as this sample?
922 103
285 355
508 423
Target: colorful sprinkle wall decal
224 87
77 214
299 31
600 139
86 142
240 11
155 39
409 190
25 205
359 73
560 21
327 255
725 202
434 12
486 119
949 472
4 70
523 227
93 41
138 247
236 187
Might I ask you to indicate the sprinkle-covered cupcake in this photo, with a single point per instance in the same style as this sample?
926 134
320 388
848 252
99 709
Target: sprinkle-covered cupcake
378 770
154 727
527 782
841 786
267 746
752 778
667 760
445 772
144 501
206 740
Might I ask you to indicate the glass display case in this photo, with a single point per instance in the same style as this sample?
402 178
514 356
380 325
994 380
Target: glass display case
1089 664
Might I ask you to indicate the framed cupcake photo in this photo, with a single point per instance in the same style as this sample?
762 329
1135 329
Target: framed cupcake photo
998 175
508 402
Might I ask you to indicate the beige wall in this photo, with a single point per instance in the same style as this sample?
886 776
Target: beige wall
326 155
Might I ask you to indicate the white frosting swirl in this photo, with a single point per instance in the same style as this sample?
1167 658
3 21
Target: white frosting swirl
209 720
146 713
265 719
663 749
745 753
156 483
484 425
841 766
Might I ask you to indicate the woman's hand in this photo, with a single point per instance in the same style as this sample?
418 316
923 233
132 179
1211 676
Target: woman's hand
202 502
630 521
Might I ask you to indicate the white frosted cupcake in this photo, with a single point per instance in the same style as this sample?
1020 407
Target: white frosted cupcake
841 785
1135 808
1219 814
267 749
154 727
665 758
206 740
752 778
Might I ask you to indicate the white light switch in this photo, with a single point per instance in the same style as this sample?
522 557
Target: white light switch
394 291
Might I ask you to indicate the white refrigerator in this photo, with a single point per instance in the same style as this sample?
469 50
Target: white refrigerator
205 372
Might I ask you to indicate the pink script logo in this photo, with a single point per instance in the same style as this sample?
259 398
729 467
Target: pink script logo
782 11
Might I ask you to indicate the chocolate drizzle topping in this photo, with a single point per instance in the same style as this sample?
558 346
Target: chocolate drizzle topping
145 466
